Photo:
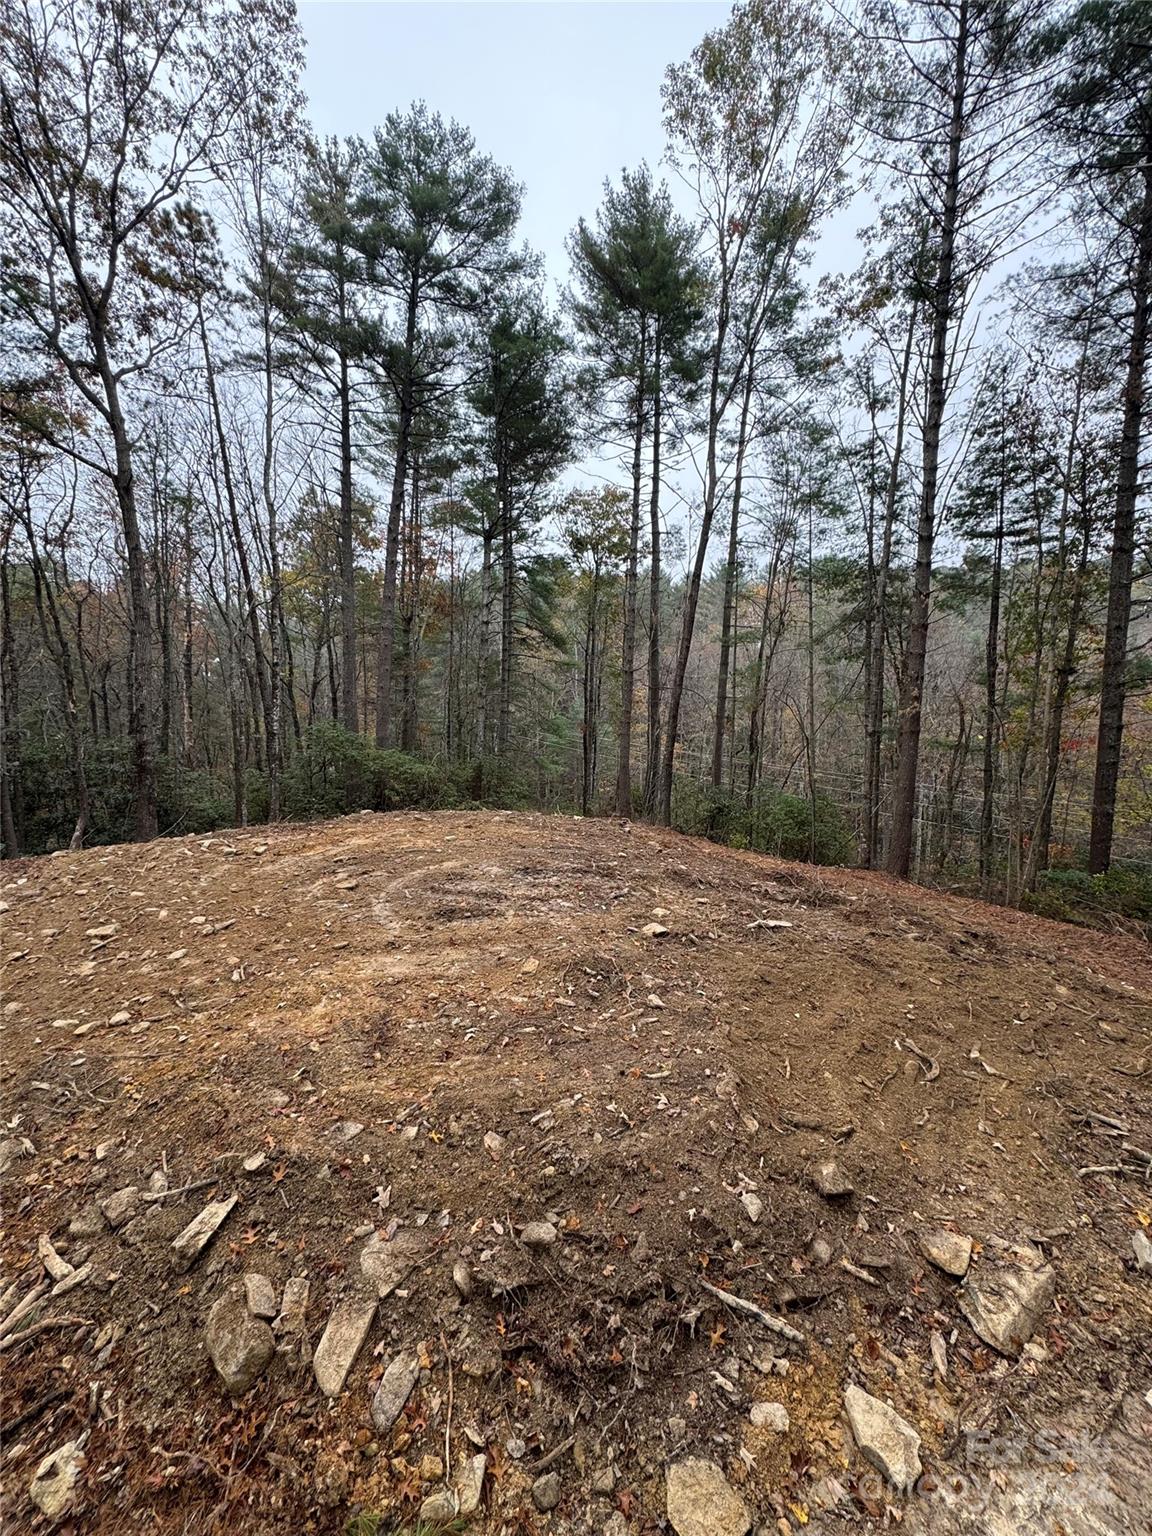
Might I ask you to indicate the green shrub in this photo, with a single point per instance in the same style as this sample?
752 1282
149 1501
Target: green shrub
1121 897
777 823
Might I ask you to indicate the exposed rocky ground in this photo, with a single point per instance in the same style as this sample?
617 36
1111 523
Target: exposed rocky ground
542 1175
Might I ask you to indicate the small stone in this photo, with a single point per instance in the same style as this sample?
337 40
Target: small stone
831 1181
702 1502
604 1482
293 1307
122 1017
493 1145
53 1487
820 1251
470 1484
615 1525
1142 1252
753 1205
530 967
199 1232
654 931
949 1251
516 1448
546 1492
56 1267
254 1163
439 1507
347 1130
387 1263
538 1234
1004 1299
121 1207
431 1468
885 1439
260 1294
394 1391
240 1345
939 1353
462 1279
772 1416
89 1223
340 1344
105 931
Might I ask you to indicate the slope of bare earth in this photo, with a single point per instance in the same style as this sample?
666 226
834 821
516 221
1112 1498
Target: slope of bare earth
458 1043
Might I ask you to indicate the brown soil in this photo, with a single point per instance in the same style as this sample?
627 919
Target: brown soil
434 978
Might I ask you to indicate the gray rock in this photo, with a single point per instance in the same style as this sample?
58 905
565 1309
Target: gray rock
388 1263
604 1482
702 1502
260 1295
439 1507
753 1205
772 1416
949 1251
546 1492
538 1234
516 1448
831 1181
462 1279
89 1223
241 1346
293 1306
53 1487
470 1484
615 1525
340 1344
11 1148
820 1251
394 1390
1005 1298
885 1439
199 1232
1142 1252
57 1268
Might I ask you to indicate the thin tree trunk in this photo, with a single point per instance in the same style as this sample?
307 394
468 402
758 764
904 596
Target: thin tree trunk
991 707
1110 734
912 692
386 648
628 657
652 766
730 569
348 669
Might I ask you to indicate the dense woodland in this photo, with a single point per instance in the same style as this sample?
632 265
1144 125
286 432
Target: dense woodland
320 493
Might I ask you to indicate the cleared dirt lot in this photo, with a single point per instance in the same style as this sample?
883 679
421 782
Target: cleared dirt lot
424 1032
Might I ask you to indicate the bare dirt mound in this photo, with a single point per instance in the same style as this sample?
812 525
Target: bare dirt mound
550 1175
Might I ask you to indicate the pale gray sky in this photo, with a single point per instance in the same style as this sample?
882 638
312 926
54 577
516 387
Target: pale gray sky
564 93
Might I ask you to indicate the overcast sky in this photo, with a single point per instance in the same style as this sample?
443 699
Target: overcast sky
563 92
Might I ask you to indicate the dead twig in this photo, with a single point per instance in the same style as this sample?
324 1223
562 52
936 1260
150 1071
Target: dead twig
553 1455
750 1309
22 1335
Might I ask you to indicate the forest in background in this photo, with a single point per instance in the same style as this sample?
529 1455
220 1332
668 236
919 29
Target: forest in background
318 493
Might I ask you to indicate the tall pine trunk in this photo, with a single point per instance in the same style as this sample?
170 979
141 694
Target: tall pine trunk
628 655
730 570
1110 734
912 691
652 765
348 669
386 646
